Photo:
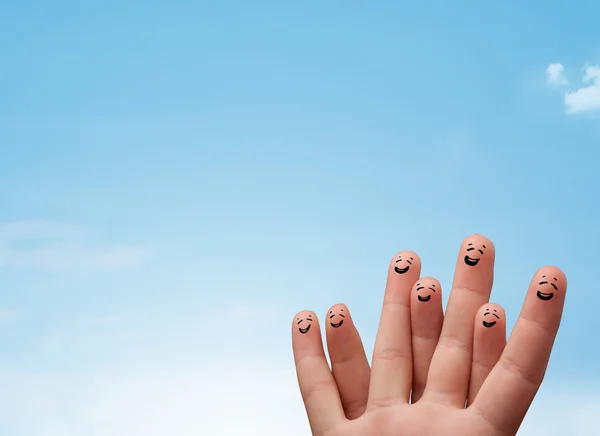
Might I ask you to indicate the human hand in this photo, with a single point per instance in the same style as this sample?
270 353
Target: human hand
463 357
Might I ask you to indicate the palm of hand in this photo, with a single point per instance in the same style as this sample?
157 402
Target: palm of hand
422 418
464 378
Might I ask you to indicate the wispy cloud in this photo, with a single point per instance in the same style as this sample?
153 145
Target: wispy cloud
61 246
586 98
555 75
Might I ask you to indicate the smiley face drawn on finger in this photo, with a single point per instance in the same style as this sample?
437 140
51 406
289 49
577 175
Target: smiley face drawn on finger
547 284
336 319
304 324
403 263
490 313
474 254
423 288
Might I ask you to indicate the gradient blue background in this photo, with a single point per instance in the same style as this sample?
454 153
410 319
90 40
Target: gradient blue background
277 155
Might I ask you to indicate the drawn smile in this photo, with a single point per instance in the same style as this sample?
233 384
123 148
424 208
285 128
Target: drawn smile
489 312
470 261
403 257
548 295
545 297
304 330
431 287
336 313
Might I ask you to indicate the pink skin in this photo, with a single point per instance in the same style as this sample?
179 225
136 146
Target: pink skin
547 286
505 395
488 343
304 321
349 364
337 315
391 369
427 316
403 262
449 373
513 383
474 251
427 288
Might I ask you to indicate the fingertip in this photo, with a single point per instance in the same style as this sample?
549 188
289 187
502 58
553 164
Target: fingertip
405 260
407 254
555 272
491 307
549 283
304 314
490 315
431 280
337 316
476 252
478 238
426 289
338 307
303 321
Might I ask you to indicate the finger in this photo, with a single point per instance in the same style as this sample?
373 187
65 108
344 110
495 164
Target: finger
512 385
349 362
391 368
488 343
317 385
448 379
426 316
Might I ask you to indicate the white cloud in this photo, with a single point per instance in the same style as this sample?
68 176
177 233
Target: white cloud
226 400
586 98
51 245
555 75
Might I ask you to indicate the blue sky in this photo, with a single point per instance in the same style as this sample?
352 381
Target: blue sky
177 179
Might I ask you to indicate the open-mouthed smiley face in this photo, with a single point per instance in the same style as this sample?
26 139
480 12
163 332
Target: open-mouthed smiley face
474 253
547 287
336 318
304 324
490 314
425 287
403 263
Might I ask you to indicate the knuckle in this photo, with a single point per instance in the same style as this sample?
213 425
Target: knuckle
516 369
391 354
